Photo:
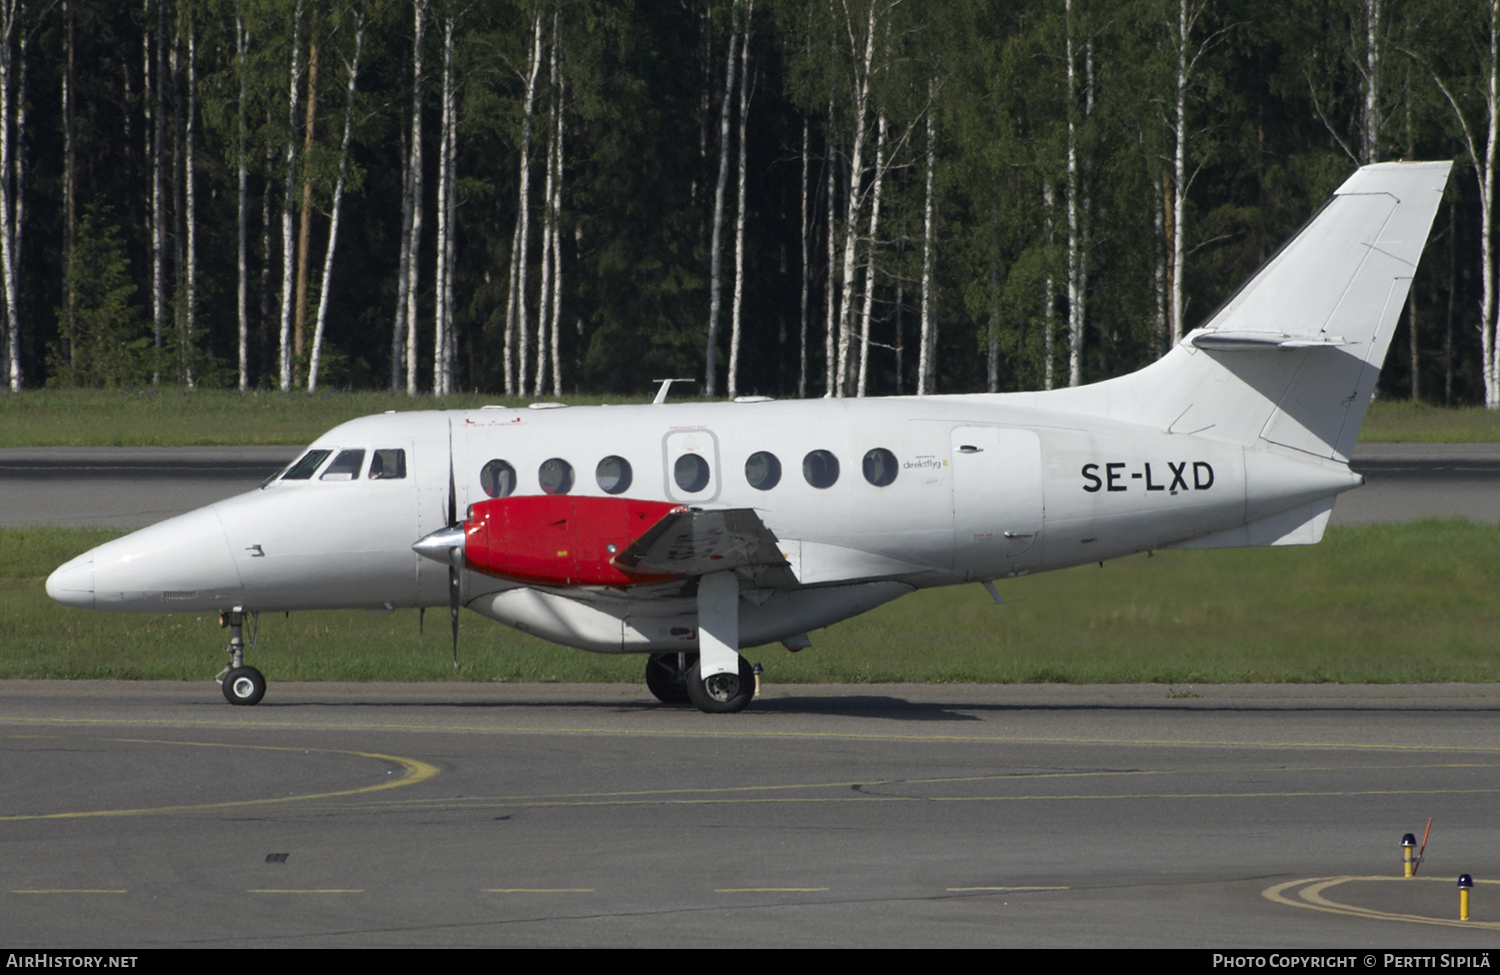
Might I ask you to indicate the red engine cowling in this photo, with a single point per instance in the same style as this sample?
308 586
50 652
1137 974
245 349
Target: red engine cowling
558 539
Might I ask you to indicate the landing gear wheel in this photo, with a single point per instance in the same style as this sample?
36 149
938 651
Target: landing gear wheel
666 679
244 685
721 693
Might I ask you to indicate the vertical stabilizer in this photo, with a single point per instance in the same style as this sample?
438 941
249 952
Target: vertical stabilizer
1292 357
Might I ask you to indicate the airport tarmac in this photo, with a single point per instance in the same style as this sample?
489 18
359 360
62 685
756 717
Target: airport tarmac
152 814
131 487
139 814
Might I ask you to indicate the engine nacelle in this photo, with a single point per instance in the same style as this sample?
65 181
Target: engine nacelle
557 539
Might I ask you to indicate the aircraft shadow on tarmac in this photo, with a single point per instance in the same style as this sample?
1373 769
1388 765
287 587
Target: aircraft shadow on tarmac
888 707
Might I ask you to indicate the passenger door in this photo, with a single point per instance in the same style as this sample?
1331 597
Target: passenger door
997 501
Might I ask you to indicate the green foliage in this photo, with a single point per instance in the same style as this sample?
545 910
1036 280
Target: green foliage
105 338
1274 107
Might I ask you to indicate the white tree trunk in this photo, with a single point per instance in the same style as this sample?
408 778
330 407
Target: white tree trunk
556 203
870 247
523 217
855 202
8 23
441 314
450 250
831 164
158 195
414 244
1179 164
325 287
927 354
739 219
287 248
544 294
716 260
1484 175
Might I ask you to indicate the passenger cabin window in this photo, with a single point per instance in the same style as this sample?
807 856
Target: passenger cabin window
880 467
498 479
555 476
304 469
821 469
763 470
388 465
613 475
691 473
345 467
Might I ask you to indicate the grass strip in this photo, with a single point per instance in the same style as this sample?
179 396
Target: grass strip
174 418
1405 603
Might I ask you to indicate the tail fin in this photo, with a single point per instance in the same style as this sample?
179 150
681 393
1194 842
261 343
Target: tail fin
1292 357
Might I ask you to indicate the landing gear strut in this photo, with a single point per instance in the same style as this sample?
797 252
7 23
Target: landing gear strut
241 684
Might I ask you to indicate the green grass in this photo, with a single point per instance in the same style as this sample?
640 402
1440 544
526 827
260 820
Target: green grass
1383 604
1402 421
172 418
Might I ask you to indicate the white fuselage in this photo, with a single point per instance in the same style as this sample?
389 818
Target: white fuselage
986 487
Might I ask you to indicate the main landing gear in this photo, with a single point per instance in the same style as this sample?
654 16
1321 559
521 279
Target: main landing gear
675 679
241 684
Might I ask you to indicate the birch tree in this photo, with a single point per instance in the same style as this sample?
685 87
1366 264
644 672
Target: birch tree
716 259
325 288
288 281
739 219
442 367
11 13
1475 106
516 315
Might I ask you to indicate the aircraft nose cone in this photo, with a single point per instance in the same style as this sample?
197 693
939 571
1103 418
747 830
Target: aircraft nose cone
72 584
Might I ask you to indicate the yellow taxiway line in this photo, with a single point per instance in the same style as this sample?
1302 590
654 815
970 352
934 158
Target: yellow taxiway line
415 771
1312 898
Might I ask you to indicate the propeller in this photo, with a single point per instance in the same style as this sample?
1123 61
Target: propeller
447 545
455 553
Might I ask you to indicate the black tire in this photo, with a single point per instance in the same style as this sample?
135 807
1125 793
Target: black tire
244 685
721 693
664 680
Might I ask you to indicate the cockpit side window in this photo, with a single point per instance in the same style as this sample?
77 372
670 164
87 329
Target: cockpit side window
388 464
304 469
345 466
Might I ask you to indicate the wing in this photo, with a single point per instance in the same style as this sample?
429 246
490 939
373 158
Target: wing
694 542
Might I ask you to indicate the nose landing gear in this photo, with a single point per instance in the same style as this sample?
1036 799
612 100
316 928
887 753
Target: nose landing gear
241 684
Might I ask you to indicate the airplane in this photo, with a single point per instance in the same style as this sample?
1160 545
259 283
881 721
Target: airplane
688 531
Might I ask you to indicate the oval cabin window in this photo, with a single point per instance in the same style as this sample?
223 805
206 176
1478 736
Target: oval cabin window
821 469
763 470
691 473
880 467
498 479
555 476
613 475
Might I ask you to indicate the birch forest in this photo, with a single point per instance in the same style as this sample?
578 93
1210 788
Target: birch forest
790 198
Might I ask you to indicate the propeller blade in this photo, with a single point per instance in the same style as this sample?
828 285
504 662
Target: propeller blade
454 582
